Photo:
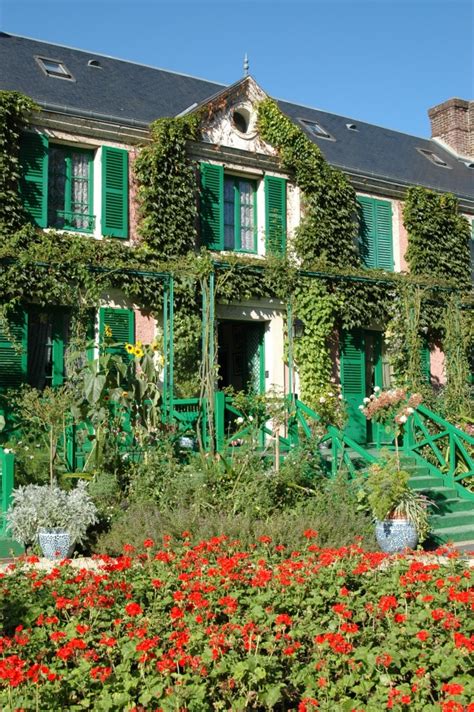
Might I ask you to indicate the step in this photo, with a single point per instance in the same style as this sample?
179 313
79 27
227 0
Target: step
454 534
455 505
466 547
425 482
452 519
441 494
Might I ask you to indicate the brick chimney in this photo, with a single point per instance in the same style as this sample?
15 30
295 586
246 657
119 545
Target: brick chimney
453 122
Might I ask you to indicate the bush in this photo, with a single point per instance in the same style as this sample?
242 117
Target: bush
332 510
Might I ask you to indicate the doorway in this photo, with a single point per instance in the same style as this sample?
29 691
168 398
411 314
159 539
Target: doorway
363 367
241 355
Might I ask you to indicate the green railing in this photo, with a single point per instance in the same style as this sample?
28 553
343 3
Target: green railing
444 449
336 448
7 460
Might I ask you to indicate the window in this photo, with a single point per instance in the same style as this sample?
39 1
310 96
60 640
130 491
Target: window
57 186
228 211
54 68
240 215
433 157
316 129
48 335
375 234
70 188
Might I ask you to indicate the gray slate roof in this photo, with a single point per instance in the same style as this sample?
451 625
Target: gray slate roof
138 93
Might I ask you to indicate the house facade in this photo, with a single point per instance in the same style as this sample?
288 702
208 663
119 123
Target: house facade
77 160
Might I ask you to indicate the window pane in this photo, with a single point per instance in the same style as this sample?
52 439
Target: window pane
247 240
229 221
80 191
56 186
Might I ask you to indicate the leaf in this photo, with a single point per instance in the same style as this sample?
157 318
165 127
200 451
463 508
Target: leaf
94 387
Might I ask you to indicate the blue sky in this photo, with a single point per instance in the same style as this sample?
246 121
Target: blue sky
381 61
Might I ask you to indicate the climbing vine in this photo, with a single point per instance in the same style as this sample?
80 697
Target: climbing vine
167 192
328 230
438 236
457 344
312 349
15 110
405 339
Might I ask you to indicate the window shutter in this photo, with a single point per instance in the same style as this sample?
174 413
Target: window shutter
375 235
34 176
367 231
425 359
383 220
212 206
114 192
275 215
353 382
122 324
14 352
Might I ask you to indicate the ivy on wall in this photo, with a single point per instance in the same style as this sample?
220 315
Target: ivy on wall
311 350
15 110
167 192
328 230
438 236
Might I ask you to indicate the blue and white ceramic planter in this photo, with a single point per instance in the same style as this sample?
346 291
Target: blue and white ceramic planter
54 543
395 535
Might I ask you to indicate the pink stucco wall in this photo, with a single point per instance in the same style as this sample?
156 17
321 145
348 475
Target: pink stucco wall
144 327
438 376
402 236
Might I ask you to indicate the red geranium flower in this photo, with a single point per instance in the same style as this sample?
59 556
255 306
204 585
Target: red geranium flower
133 609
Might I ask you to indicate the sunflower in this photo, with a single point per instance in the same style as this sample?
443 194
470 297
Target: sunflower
108 331
129 348
138 352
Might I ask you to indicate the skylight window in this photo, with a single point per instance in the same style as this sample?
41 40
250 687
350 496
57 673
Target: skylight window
433 157
316 129
352 127
54 68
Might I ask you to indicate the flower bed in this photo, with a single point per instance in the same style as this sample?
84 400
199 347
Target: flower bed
209 626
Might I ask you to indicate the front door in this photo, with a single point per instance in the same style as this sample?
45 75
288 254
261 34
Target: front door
241 356
362 369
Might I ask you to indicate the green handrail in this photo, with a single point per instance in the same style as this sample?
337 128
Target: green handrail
446 450
7 465
343 448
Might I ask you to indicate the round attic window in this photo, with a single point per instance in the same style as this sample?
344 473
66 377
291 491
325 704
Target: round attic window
241 118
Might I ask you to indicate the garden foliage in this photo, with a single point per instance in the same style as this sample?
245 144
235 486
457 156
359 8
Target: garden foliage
212 625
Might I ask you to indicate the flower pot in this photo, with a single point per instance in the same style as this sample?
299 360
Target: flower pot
395 535
55 543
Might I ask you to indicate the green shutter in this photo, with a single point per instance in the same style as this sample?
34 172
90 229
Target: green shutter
375 235
383 221
34 176
275 215
353 382
425 359
212 206
114 192
367 233
90 335
122 324
14 351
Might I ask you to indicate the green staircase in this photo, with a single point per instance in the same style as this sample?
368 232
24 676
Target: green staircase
451 516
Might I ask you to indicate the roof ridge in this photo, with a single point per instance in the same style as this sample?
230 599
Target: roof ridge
109 56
